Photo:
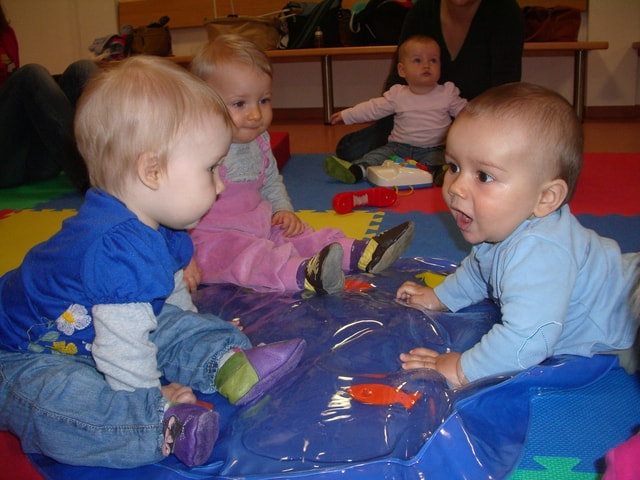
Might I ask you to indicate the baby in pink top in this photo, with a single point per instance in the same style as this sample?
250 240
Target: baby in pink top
423 111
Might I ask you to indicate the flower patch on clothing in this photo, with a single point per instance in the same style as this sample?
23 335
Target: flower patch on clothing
74 318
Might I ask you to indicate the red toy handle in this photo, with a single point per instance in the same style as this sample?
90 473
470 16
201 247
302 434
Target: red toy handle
345 202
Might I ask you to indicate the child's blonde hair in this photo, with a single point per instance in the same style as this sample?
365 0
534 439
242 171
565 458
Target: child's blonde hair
226 49
143 105
554 129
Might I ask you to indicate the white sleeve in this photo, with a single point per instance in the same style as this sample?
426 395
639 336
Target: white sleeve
121 349
180 297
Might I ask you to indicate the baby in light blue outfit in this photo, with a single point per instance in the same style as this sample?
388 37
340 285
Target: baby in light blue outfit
561 288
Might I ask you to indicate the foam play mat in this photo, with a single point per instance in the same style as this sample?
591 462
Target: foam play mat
348 410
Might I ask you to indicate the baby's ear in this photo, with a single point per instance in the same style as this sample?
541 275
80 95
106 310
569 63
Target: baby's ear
401 72
552 196
149 169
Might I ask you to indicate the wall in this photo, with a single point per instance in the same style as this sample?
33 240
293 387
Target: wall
613 76
57 32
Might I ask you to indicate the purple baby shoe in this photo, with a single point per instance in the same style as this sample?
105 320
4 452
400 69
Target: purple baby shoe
190 432
249 374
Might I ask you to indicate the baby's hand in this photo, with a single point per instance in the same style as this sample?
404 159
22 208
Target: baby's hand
448 364
192 275
419 295
177 393
336 118
236 322
289 222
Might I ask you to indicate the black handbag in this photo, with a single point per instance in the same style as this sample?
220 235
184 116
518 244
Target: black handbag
378 23
305 18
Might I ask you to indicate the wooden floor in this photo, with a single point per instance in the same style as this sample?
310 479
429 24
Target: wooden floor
312 136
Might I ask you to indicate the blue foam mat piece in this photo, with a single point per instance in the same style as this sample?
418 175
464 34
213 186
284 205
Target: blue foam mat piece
309 426
585 423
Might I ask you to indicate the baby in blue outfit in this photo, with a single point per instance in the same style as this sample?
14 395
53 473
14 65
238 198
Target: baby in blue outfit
514 156
97 315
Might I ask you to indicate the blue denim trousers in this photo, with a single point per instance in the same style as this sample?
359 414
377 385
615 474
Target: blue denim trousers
428 156
36 124
61 406
355 145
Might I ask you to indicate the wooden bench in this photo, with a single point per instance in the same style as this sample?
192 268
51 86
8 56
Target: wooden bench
326 55
579 51
193 13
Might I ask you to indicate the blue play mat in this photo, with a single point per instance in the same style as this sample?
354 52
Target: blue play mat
309 426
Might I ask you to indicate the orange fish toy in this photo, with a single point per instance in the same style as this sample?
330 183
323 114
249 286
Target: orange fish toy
380 394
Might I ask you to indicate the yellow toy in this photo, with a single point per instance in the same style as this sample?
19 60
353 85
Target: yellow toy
431 279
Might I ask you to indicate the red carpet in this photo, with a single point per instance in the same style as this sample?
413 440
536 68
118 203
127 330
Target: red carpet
608 184
13 463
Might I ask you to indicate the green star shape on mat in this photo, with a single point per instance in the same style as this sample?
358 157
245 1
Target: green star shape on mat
557 468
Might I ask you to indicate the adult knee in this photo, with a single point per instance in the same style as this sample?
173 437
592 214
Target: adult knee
81 69
75 78
32 75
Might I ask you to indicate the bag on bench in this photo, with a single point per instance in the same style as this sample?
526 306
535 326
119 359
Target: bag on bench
557 24
264 31
304 18
378 23
153 39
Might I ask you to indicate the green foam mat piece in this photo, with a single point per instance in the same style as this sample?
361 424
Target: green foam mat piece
28 196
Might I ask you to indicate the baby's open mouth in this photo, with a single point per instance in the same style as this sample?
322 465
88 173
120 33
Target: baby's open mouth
462 220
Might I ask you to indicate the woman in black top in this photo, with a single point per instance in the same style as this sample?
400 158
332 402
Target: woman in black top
481 45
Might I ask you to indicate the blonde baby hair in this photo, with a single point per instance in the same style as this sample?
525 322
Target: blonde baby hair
226 49
143 105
